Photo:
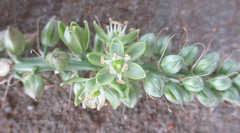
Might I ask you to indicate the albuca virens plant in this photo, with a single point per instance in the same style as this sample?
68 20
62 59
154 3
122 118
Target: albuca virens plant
117 62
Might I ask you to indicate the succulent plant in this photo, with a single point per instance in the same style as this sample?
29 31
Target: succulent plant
111 68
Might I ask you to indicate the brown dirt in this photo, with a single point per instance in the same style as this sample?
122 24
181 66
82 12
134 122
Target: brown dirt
204 19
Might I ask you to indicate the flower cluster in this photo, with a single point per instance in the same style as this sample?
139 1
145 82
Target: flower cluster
116 63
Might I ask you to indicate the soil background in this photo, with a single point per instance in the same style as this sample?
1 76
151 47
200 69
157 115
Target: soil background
204 20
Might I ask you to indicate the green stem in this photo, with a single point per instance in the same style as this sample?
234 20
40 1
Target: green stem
31 63
45 51
19 59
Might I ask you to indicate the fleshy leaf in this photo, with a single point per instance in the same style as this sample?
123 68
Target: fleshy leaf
104 77
116 47
130 37
95 58
100 32
135 71
136 50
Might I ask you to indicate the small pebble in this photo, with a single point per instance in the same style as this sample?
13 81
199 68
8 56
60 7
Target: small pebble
30 107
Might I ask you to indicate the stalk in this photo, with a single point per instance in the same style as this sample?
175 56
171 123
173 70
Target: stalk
31 63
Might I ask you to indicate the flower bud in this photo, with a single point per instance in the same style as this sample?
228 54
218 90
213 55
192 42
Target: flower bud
72 41
213 56
188 96
50 35
172 64
30 39
174 93
150 41
228 67
154 85
236 82
76 39
221 82
194 84
205 66
66 75
217 94
58 59
14 41
161 44
231 95
5 66
189 54
135 93
207 97
2 47
34 86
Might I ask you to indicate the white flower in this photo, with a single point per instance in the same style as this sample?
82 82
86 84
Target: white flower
5 66
117 65
117 28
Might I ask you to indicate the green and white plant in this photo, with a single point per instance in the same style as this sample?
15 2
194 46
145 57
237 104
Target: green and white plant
118 63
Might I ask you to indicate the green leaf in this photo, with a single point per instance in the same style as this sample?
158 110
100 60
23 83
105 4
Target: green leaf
104 77
91 85
100 32
87 34
80 95
61 29
117 88
75 79
95 58
130 37
134 71
136 50
112 96
116 47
